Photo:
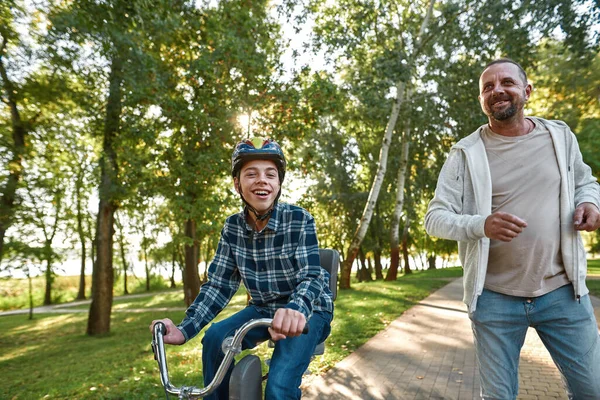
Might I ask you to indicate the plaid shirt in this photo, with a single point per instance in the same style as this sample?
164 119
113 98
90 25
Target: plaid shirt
280 267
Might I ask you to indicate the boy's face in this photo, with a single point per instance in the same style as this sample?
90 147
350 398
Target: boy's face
259 184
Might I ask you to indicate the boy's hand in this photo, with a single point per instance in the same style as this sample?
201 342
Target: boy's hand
286 323
173 335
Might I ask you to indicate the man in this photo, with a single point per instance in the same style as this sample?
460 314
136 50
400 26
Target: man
271 247
514 194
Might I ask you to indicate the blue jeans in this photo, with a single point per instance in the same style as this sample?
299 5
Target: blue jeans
289 361
566 326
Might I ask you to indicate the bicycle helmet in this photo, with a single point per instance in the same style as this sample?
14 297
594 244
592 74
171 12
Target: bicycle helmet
258 149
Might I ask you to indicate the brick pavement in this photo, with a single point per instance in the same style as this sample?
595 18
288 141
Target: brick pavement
427 353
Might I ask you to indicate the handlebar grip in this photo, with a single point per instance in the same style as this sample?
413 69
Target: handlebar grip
305 330
161 327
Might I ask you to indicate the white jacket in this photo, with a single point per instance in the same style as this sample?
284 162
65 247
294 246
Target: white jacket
463 200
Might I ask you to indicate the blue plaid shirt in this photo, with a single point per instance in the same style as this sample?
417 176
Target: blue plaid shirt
280 267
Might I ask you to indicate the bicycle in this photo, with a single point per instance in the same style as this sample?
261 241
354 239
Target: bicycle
246 378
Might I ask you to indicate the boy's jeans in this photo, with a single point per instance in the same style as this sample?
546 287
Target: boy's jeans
290 357
567 328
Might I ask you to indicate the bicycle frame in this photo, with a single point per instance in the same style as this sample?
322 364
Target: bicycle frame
231 347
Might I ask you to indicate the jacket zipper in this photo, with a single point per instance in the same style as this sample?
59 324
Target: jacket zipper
575 244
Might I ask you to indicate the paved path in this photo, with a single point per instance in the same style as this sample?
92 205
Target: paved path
427 353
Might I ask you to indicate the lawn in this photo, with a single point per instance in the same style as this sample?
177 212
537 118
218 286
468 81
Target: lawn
50 356
594 267
593 281
14 293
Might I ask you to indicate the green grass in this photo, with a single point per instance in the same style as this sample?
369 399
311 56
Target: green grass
594 267
50 356
594 272
594 286
14 293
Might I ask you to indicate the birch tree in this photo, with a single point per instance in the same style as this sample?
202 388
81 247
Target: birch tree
399 206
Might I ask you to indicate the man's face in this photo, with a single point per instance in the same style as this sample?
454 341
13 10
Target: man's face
502 92
259 184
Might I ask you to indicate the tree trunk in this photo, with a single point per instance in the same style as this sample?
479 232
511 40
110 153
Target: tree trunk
29 281
399 206
377 249
363 272
125 290
378 267
173 260
191 282
82 238
405 246
103 275
49 278
363 225
92 255
392 273
81 292
431 261
14 166
124 262
147 268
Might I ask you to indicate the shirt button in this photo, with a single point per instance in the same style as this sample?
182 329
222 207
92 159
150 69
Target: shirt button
529 301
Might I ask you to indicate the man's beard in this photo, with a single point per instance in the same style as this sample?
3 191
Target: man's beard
503 115
515 106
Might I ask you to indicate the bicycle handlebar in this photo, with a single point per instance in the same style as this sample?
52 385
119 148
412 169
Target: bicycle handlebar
231 347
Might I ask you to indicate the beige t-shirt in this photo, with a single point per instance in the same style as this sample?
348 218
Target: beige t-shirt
525 183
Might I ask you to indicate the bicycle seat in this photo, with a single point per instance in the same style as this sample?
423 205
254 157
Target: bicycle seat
330 262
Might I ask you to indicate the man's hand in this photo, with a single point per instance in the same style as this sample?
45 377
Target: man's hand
173 335
586 217
287 322
503 226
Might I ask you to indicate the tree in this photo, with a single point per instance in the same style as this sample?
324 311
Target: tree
20 127
80 147
384 49
29 96
223 59
22 257
44 195
566 87
83 217
400 183
145 228
122 242
44 202
121 61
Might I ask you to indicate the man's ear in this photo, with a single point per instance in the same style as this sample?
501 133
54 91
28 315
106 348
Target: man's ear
236 184
528 90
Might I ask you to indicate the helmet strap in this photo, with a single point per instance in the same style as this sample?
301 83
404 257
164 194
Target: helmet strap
260 217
